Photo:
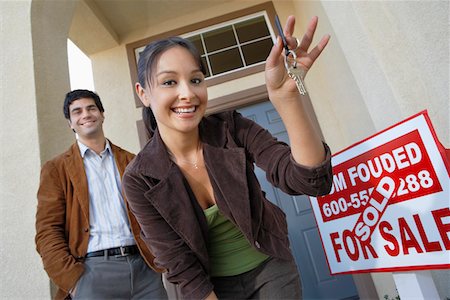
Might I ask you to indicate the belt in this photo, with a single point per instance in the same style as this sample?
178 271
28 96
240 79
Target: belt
119 251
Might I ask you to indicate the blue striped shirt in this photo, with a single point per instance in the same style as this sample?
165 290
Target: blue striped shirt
109 225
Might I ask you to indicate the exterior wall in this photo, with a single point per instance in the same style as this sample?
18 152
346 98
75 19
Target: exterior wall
51 73
113 83
21 265
33 84
30 93
398 55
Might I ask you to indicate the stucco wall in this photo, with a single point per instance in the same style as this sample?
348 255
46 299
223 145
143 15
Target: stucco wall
113 84
22 275
398 55
33 83
19 153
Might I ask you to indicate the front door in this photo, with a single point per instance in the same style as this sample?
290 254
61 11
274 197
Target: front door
317 283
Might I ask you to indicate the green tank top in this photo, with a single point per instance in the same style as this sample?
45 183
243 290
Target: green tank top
229 251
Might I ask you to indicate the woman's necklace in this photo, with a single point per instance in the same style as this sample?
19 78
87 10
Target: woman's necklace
194 164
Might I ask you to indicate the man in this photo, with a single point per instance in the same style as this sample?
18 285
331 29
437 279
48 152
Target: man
88 240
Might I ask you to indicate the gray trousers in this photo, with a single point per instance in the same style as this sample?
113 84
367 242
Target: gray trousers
273 279
125 277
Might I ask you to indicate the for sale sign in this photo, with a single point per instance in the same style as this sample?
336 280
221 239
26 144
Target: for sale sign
389 206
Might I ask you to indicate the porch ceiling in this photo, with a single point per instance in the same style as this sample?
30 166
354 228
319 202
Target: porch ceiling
98 25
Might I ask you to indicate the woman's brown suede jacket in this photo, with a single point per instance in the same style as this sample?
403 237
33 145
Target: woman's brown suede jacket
173 224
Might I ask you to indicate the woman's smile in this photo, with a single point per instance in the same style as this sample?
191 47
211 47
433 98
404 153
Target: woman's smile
184 110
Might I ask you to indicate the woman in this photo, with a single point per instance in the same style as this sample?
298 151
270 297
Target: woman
192 187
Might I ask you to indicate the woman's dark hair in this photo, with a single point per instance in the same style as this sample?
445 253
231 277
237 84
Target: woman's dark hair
78 94
149 121
147 64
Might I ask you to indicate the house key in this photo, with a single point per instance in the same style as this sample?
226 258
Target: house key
295 72
291 63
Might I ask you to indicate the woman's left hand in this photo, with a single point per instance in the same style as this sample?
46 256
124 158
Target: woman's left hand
277 78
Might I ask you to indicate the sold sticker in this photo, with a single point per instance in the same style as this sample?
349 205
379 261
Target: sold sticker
389 205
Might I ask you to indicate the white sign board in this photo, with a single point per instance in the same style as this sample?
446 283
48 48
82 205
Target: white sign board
389 206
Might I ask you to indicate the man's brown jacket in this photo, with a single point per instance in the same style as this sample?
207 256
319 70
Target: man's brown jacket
62 218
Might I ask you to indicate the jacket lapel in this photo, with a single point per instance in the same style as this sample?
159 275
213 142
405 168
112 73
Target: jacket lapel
172 200
226 168
120 158
170 195
226 163
77 175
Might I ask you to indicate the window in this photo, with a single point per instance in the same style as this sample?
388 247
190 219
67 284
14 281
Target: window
238 44
231 46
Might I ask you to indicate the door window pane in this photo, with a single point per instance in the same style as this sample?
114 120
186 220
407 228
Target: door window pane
257 52
197 41
219 39
252 29
226 61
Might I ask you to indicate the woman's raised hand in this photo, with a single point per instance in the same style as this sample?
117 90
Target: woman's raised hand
276 73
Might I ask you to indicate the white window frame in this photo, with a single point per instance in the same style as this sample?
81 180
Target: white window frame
238 45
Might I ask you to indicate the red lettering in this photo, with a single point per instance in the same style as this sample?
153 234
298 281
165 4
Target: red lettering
384 228
336 246
444 229
406 232
429 246
348 234
366 244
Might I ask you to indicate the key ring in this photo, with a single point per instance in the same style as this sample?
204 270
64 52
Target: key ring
294 56
294 72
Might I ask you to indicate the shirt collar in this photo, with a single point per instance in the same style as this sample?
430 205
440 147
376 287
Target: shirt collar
84 148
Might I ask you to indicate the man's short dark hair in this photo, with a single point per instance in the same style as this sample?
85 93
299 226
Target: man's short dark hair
78 94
